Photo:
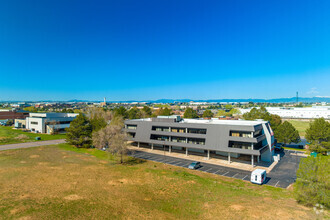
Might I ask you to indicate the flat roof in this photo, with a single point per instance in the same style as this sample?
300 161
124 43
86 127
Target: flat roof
222 122
213 121
258 171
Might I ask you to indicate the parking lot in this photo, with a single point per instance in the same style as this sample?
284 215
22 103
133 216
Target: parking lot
282 175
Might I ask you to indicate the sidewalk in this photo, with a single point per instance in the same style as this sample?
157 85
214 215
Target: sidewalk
31 144
242 165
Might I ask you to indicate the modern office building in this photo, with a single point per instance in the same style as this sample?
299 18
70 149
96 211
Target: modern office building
49 122
248 140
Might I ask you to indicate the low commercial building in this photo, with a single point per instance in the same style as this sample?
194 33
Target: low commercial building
247 140
20 123
12 115
49 122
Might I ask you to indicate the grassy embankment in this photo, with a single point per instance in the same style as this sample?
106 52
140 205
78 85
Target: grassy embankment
8 135
62 182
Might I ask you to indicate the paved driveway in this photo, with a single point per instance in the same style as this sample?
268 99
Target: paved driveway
282 175
31 144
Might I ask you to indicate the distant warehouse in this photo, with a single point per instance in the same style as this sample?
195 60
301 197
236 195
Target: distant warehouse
248 140
49 122
297 113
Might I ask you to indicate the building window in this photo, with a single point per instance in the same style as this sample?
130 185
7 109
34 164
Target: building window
34 122
196 131
240 145
240 134
178 130
196 141
131 134
133 127
179 139
158 128
257 133
159 137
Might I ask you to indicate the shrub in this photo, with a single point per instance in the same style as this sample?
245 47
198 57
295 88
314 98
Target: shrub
22 137
313 182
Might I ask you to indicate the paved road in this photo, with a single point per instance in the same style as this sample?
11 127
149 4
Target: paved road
282 175
31 144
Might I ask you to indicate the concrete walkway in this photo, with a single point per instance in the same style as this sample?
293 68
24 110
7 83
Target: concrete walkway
31 144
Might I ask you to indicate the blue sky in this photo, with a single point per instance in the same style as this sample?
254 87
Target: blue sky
138 50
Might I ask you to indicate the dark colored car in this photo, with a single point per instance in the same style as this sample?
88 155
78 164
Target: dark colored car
278 147
194 165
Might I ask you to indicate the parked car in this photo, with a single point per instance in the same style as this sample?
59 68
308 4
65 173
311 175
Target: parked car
258 176
278 147
194 165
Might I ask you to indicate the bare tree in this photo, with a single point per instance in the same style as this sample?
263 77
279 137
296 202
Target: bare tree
52 125
112 137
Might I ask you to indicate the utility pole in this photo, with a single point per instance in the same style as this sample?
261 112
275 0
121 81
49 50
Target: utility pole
297 97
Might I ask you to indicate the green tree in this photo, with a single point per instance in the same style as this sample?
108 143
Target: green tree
80 131
313 182
121 111
146 112
228 106
221 113
275 121
31 109
286 133
190 113
134 113
234 111
164 111
207 114
98 123
318 134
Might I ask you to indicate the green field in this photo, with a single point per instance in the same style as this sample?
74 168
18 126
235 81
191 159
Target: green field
62 182
8 135
301 126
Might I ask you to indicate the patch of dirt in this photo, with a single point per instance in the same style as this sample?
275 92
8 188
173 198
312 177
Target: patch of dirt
25 218
14 211
103 162
22 161
72 197
147 199
237 207
267 199
56 168
24 196
43 163
34 156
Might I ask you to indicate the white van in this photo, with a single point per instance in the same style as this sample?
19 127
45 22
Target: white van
258 176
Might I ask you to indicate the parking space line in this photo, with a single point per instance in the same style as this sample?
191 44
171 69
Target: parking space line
224 173
234 175
208 170
216 172
277 183
244 177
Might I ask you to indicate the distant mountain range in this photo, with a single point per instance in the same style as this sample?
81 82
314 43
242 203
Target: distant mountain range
277 100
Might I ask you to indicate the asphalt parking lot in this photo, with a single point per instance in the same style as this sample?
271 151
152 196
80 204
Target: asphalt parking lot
282 175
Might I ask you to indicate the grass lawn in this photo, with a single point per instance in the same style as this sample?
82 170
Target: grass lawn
301 126
61 182
295 149
8 135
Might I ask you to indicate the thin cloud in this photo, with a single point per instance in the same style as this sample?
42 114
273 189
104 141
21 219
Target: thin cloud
313 91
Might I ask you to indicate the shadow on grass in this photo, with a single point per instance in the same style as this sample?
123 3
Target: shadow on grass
134 161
